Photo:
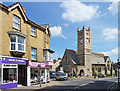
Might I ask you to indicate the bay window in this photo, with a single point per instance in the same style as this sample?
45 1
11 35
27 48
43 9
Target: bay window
33 53
48 56
16 22
17 43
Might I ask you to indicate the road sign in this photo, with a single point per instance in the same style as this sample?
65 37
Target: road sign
39 67
118 65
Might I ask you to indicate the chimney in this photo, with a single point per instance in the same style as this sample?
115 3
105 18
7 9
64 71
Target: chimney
23 8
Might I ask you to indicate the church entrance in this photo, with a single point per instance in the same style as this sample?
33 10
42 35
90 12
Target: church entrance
81 72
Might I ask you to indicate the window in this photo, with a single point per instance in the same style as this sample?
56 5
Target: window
16 22
87 40
33 31
48 56
33 53
81 41
46 37
17 43
9 75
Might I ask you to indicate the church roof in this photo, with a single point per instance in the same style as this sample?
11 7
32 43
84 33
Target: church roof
98 54
73 55
96 57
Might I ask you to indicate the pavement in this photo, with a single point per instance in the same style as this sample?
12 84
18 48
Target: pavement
37 86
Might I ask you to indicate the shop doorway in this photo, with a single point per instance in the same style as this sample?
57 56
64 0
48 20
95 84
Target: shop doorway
22 75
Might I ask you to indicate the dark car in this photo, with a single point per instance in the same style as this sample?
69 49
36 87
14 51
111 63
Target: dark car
52 74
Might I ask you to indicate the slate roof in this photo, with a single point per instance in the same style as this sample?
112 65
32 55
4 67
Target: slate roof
96 57
73 55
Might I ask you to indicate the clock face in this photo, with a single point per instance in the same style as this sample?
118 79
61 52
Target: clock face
81 40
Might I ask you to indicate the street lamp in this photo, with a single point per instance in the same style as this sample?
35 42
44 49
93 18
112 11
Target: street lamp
39 67
118 71
98 72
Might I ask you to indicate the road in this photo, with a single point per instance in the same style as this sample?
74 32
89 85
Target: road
84 84
77 84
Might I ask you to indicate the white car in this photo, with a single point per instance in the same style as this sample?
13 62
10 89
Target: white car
61 76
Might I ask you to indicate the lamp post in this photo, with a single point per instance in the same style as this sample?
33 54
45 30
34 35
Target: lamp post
39 67
98 71
118 71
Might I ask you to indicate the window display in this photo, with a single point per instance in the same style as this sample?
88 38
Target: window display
9 75
35 75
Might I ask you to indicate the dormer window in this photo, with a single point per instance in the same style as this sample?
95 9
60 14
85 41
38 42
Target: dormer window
33 31
16 22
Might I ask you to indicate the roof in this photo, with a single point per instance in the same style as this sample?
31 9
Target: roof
16 33
73 55
49 50
98 54
46 26
96 59
18 5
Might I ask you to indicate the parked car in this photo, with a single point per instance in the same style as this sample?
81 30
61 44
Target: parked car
61 76
52 74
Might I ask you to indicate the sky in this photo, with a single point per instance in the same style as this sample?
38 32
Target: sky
101 17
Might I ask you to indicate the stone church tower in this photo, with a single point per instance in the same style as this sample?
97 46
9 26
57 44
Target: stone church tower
84 50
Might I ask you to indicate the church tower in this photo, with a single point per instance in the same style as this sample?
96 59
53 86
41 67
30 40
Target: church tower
84 49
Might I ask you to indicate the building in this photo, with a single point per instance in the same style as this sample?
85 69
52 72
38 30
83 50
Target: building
56 64
24 46
83 62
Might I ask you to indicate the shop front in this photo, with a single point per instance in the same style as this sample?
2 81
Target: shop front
35 73
9 70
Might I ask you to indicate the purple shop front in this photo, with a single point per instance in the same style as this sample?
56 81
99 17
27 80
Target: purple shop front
10 66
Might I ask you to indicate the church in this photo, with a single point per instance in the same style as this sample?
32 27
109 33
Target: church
83 62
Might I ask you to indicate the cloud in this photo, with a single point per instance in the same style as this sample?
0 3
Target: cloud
75 11
110 33
112 52
66 25
57 31
113 8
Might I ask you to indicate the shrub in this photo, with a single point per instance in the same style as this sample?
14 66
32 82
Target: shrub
95 74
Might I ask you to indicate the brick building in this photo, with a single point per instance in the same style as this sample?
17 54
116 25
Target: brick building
24 45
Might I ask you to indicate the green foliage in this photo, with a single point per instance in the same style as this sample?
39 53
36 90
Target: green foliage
107 75
95 74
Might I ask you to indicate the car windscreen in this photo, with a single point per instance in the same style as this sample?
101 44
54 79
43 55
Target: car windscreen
62 74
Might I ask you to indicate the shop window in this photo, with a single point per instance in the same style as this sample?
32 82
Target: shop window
9 75
33 31
17 43
16 22
33 53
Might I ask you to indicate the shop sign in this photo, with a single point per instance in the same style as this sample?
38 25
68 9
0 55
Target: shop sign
12 60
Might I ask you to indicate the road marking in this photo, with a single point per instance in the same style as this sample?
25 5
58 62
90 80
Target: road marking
109 88
91 82
83 84
80 86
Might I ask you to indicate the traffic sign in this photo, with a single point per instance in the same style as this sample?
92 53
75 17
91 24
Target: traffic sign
118 65
39 67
